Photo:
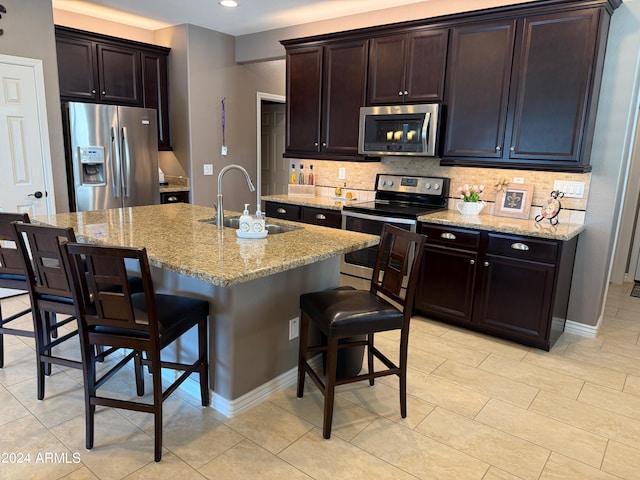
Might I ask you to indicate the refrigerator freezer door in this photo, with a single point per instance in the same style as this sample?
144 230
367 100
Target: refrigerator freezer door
139 154
96 178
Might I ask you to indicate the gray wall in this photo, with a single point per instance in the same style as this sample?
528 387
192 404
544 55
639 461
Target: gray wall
203 71
28 32
615 128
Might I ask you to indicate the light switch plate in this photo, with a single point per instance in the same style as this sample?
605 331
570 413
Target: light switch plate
569 188
342 173
294 328
208 169
223 150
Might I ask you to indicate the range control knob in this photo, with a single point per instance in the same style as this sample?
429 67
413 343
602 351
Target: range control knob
427 186
436 187
383 182
390 183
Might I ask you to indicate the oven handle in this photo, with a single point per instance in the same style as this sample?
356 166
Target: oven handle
377 218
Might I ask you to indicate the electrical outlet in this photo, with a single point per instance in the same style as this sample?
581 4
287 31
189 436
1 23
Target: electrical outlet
208 169
518 180
294 328
342 173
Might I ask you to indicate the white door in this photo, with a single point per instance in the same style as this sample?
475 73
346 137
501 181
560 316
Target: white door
25 158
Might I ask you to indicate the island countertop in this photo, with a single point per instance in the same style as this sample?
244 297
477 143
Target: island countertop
177 239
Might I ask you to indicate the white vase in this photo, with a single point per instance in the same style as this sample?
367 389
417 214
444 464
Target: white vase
470 208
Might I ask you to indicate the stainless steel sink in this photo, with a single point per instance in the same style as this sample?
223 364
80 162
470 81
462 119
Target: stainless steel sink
272 228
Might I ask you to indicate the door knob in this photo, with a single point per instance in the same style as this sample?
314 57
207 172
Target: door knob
37 194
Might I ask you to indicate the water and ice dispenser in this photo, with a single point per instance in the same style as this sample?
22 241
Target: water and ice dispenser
92 165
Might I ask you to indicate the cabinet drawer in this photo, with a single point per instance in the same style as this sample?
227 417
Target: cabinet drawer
174 197
283 210
451 236
321 216
522 247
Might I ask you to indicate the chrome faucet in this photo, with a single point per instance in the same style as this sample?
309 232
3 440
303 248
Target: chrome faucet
252 188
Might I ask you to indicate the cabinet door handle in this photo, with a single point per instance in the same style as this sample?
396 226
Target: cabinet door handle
104 93
93 91
513 149
400 93
472 262
281 210
320 216
405 92
324 144
520 246
486 264
498 148
448 236
315 144
172 199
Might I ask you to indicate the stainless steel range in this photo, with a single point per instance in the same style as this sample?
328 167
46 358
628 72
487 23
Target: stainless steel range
399 200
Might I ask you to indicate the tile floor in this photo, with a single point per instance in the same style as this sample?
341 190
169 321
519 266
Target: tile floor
479 408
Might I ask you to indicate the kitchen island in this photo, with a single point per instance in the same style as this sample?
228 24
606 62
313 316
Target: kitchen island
253 285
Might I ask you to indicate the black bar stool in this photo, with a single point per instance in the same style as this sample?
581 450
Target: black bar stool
343 313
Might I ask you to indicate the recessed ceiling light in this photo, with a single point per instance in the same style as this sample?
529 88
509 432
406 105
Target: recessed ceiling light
229 3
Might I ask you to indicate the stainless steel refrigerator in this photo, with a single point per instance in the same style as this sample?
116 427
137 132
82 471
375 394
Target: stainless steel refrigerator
112 156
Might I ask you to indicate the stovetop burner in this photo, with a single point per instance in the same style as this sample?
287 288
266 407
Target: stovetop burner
394 209
405 196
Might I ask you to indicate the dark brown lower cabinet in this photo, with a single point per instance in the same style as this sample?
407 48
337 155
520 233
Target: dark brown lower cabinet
300 213
510 286
174 197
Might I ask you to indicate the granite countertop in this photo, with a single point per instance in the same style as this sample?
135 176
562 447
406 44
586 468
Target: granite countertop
562 231
485 221
320 202
177 240
175 184
173 188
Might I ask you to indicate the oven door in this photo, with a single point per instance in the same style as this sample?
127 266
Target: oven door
360 263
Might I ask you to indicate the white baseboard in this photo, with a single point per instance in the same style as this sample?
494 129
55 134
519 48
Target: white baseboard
231 408
577 328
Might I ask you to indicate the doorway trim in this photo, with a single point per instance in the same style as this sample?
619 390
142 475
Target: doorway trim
260 96
36 65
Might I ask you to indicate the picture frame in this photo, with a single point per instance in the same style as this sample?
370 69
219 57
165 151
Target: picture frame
514 201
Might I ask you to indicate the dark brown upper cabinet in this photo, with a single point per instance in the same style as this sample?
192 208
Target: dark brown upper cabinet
102 69
98 72
478 89
156 93
77 68
326 86
119 75
408 68
519 84
523 93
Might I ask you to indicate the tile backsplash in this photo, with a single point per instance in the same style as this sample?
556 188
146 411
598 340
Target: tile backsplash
360 179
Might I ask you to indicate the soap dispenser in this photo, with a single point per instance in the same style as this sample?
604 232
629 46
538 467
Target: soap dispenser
258 223
246 222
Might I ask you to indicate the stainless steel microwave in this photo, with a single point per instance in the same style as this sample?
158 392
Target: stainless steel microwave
399 130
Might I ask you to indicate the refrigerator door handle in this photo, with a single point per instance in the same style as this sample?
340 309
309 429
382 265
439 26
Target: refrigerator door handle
126 164
115 162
